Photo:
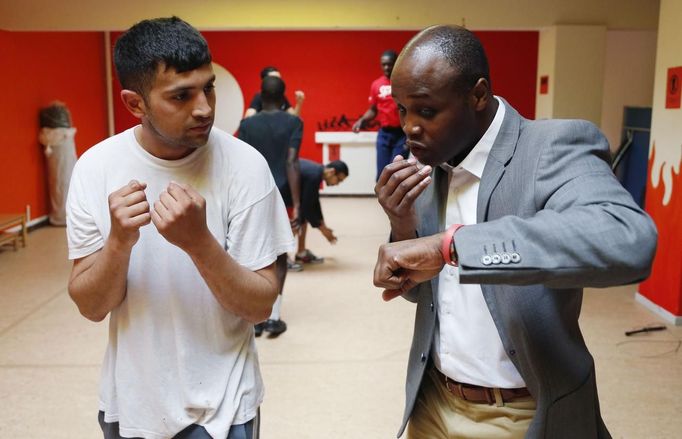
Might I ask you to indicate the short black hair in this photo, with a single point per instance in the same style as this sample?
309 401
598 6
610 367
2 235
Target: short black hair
266 71
272 89
168 41
461 48
339 166
390 53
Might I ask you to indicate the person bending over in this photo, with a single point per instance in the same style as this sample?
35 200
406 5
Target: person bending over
312 175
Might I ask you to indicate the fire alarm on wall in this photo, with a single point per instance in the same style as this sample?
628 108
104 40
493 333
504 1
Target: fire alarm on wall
673 90
544 84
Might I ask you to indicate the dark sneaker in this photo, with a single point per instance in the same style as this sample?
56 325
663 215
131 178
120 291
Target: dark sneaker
308 257
275 327
294 266
258 328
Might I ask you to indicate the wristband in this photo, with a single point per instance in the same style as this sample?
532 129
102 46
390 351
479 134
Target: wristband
447 246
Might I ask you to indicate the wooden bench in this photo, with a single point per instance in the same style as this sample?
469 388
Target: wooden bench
8 221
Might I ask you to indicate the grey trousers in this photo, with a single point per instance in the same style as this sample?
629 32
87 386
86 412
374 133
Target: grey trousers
249 430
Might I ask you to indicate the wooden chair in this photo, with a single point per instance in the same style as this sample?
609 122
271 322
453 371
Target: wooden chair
8 221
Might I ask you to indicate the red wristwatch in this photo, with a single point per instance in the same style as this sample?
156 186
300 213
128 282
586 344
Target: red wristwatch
447 245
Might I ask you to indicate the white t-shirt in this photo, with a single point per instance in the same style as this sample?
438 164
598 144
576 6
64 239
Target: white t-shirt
175 357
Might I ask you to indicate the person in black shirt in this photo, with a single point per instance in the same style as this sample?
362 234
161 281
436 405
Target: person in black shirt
277 134
256 104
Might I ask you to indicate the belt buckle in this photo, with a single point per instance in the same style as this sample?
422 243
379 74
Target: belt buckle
454 387
458 389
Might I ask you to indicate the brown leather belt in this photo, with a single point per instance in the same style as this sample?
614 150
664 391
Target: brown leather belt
480 394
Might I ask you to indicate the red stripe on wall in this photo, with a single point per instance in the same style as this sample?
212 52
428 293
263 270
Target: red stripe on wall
335 69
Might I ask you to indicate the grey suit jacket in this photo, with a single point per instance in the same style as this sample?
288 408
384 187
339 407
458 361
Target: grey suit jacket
548 197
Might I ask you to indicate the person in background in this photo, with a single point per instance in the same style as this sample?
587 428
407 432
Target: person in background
390 138
256 104
312 175
496 230
277 134
165 228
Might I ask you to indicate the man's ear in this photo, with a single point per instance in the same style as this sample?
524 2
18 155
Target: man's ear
134 102
480 94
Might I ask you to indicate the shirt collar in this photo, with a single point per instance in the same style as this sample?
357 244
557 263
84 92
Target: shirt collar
474 162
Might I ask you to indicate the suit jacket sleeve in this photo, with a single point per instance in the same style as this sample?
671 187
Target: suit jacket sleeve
583 230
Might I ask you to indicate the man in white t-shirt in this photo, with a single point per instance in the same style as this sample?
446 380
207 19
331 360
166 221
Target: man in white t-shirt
174 227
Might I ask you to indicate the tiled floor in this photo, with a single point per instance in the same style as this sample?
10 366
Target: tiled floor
336 373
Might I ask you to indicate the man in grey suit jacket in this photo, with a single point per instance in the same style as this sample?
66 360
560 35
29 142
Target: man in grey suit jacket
495 232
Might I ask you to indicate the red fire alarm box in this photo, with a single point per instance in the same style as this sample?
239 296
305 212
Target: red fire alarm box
673 88
544 84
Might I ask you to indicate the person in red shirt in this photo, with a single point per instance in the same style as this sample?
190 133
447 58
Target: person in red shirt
391 138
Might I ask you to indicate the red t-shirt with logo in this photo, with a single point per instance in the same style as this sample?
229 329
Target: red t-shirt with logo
380 96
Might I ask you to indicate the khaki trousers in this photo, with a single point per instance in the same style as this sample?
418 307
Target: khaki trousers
438 414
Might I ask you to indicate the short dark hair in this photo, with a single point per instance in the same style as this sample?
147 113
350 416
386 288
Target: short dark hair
272 89
168 41
461 48
266 71
390 53
339 166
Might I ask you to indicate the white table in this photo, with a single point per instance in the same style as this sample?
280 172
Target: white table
358 150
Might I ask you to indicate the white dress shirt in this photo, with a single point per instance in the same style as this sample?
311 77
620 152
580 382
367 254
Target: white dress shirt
467 346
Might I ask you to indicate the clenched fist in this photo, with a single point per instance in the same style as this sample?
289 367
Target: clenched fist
128 210
402 265
399 185
180 216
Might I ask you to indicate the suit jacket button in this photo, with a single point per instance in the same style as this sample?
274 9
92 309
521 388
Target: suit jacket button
496 258
515 258
423 358
486 260
506 258
431 306
512 352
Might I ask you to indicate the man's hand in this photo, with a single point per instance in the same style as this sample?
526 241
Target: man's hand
329 234
295 220
357 126
300 96
128 210
180 216
399 185
402 265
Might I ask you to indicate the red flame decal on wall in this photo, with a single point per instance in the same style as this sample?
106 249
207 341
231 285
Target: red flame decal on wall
664 286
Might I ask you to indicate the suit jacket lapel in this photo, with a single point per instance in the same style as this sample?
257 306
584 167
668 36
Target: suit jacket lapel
500 154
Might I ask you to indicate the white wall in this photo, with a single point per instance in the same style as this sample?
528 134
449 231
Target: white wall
628 78
666 124
544 103
573 57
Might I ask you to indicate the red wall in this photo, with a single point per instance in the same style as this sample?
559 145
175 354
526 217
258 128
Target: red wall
335 69
37 68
